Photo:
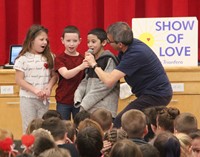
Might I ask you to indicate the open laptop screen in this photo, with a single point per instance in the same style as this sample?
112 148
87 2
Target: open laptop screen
14 51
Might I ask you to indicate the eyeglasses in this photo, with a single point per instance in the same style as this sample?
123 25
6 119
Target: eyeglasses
110 42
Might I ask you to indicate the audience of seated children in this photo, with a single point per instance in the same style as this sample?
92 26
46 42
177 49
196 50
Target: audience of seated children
104 118
167 144
185 123
89 142
134 123
58 129
125 148
195 143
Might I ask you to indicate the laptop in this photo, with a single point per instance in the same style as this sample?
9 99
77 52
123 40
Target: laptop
13 53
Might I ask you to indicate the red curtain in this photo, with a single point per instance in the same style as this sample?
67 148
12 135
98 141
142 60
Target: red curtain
16 16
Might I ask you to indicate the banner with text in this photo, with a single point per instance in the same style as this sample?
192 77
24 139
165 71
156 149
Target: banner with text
174 40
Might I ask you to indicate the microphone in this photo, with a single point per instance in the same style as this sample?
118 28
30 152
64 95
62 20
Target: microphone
90 51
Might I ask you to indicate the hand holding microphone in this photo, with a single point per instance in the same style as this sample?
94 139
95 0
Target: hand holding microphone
90 57
90 51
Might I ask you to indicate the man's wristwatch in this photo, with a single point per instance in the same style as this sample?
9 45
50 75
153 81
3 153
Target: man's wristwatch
96 65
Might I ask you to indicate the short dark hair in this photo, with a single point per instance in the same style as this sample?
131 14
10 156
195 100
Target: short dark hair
149 150
185 123
71 29
56 126
80 116
167 144
125 148
100 33
51 113
89 142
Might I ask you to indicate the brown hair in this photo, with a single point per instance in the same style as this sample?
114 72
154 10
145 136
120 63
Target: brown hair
125 148
89 122
103 117
185 123
134 123
32 33
166 117
71 29
34 125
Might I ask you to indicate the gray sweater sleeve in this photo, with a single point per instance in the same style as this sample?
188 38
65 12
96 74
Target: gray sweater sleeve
98 90
80 91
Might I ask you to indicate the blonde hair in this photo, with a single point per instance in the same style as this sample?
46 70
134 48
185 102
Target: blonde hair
42 133
185 142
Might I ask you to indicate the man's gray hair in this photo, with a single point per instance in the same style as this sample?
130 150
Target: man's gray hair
121 32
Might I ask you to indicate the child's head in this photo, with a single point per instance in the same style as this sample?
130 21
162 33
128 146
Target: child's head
103 117
134 123
151 114
57 127
115 135
80 116
195 143
37 42
32 34
165 119
58 152
51 113
97 39
34 125
71 38
167 144
186 143
149 150
89 142
185 123
71 29
89 122
125 148
99 33
41 144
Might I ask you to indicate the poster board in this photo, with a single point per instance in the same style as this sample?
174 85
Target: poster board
174 39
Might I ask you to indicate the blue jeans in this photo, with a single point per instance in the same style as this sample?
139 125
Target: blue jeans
66 110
